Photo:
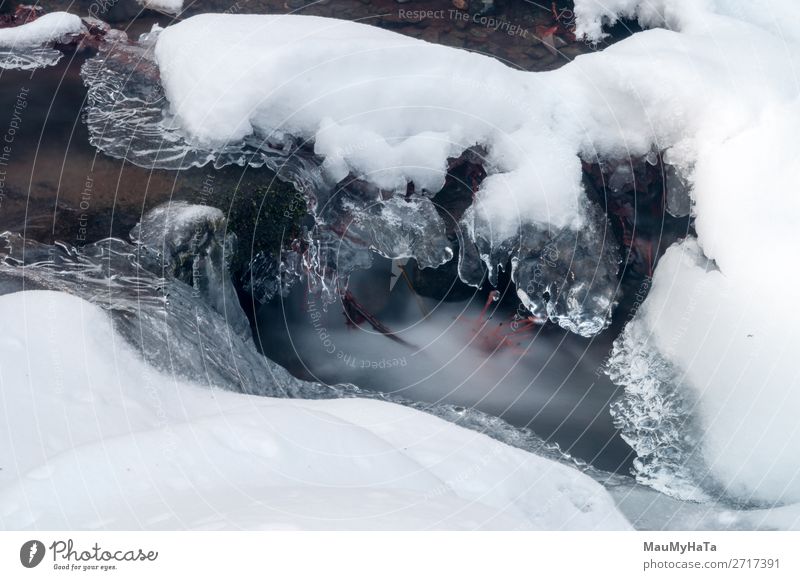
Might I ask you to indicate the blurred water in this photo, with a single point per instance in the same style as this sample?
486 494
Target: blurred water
543 378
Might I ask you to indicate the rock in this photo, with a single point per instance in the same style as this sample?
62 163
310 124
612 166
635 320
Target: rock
481 7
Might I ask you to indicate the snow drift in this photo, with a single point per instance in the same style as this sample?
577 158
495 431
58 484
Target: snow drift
45 29
29 46
711 385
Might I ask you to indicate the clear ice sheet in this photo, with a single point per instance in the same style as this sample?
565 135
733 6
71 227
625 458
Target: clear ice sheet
655 418
28 58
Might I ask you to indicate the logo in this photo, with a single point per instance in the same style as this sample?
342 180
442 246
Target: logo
31 553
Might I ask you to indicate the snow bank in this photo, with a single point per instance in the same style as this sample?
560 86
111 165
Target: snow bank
392 110
48 28
97 439
375 103
708 363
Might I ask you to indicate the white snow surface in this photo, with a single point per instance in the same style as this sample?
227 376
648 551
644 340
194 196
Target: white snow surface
716 87
168 6
384 106
723 94
96 439
45 29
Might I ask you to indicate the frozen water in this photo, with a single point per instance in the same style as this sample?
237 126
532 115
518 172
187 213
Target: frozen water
193 242
565 275
678 192
28 58
656 417
401 228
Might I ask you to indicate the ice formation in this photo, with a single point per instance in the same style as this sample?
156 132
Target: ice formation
391 131
29 45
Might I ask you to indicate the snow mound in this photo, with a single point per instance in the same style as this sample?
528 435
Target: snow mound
119 445
168 6
374 103
708 362
28 46
48 28
389 110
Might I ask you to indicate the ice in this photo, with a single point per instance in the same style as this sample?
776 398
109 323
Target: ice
678 192
710 387
656 416
193 242
647 509
28 58
355 222
400 228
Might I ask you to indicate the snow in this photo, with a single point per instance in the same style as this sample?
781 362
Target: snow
48 28
375 103
168 6
592 16
96 438
724 101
